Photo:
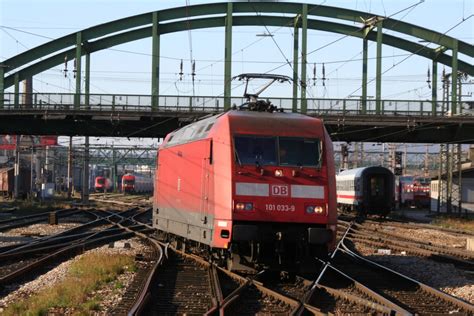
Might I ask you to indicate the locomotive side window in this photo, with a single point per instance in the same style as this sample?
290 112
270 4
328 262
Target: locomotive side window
255 150
299 152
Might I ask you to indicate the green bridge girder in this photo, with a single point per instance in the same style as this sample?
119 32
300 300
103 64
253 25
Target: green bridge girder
172 20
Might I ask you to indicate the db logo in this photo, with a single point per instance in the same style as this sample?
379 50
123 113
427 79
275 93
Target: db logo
280 190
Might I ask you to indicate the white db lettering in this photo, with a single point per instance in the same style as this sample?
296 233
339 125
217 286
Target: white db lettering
280 190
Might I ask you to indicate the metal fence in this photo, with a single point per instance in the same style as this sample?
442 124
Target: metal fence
119 102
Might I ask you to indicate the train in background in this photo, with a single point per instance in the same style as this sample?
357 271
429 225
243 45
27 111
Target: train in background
421 192
136 183
7 182
102 184
367 190
252 187
404 194
412 191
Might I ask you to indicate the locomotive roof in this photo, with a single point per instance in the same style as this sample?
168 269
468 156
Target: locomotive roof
257 122
357 172
263 122
269 115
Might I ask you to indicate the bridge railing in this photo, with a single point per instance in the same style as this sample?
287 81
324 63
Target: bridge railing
124 102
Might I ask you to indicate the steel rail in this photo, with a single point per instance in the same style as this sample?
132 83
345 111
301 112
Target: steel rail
32 219
70 233
404 224
69 250
469 308
410 242
405 247
304 304
63 253
63 235
142 299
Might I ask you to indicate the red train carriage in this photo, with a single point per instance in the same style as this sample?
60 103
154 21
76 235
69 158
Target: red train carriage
421 192
102 184
255 187
134 183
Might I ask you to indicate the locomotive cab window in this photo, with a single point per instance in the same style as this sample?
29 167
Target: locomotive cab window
256 150
300 152
283 151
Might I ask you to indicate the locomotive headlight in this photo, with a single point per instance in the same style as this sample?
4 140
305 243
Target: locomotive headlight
278 173
240 206
314 209
318 209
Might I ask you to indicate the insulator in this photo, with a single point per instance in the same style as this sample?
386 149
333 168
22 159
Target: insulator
181 70
428 80
314 74
193 73
75 69
324 75
65 66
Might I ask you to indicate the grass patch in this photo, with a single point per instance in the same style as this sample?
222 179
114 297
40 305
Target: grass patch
466 224
87 274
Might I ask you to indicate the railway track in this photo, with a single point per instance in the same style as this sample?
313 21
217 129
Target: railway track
171 282
98 224
410 224
406 293
382 239
22 221
48 253
183 287
334 291
120 199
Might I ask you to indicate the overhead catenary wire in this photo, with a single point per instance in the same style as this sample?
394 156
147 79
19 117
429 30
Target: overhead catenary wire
326 62
412 54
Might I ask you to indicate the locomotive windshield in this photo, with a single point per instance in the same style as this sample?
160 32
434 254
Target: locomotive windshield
298 152
292 151
255 150
128 181
100 180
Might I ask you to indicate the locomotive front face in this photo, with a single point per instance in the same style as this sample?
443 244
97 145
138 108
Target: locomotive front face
280 180
128 183
281 191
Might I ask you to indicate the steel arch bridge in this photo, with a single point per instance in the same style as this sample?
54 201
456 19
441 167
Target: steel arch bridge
229 15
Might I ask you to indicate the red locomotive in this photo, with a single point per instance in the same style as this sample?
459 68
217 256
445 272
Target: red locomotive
134 183
255 187
102 184
421 192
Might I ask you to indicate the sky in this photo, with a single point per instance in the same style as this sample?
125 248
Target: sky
126 69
